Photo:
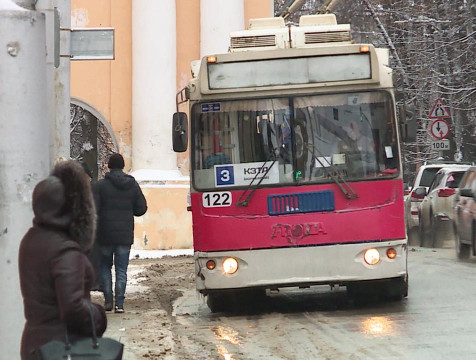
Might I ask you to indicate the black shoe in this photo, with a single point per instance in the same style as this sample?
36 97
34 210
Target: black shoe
119 309
108 305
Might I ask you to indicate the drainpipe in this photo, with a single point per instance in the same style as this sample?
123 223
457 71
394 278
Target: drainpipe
24 159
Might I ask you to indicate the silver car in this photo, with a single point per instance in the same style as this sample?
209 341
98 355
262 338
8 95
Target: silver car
423 179
436 209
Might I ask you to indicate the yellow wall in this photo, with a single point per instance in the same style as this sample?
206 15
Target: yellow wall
166 224
188 49
256 9
107 87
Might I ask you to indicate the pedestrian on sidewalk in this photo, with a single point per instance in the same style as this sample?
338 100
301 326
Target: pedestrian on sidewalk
118 199
55 274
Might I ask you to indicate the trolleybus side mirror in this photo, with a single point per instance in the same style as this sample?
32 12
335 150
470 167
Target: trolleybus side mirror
180 132
407 120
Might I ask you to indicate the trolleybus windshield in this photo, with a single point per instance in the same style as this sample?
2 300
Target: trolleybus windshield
312 139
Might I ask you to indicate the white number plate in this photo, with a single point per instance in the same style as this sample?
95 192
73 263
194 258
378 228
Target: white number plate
216 199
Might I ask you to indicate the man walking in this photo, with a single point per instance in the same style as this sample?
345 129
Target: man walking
118 199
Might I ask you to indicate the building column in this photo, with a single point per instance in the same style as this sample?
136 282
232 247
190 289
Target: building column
24 157
215 30
153 84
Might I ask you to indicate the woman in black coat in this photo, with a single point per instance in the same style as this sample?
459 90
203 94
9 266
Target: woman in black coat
55 274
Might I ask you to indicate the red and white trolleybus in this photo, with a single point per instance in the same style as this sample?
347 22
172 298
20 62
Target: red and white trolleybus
296 177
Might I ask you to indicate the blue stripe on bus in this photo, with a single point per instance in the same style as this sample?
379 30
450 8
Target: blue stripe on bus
301 202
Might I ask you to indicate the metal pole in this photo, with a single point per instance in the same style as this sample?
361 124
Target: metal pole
328 6
24 158
58 78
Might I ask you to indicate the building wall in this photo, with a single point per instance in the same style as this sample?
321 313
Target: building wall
107 87
258 9
188 49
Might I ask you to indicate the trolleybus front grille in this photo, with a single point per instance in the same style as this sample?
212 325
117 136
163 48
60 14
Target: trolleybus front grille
253 41
301 202
321 37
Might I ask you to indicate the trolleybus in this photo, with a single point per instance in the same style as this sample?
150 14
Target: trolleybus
296 177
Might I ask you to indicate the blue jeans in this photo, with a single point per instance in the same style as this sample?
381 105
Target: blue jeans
119 255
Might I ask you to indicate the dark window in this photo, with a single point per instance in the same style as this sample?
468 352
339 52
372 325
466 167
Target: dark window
427 176
454 179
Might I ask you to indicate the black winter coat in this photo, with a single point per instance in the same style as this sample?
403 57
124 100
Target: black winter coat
118 199
55 274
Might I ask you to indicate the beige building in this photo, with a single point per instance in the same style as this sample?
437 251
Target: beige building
133 96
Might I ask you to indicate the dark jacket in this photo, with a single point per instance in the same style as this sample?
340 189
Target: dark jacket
118 199
55 274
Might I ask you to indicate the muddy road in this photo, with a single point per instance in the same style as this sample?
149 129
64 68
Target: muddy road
165 319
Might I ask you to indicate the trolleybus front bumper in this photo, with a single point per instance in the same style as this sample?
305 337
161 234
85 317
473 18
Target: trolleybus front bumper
339 264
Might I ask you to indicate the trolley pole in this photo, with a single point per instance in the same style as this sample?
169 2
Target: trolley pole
24 155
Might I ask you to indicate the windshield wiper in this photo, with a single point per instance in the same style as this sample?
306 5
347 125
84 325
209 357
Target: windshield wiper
245 201
337 178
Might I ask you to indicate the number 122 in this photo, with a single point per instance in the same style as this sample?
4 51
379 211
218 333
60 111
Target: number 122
216 199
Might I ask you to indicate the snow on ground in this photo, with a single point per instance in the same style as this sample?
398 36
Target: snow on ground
157 254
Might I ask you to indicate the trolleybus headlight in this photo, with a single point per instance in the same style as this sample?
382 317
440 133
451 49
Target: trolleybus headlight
230 265
391 253
211 264
371 256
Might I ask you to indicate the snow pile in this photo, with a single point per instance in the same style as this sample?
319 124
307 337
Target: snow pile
157 254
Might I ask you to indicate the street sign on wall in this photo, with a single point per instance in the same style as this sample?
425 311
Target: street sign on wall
92 44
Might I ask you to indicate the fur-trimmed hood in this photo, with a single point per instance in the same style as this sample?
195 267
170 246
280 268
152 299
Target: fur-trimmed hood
64 200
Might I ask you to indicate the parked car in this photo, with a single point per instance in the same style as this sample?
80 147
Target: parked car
436 209
464 215
423 179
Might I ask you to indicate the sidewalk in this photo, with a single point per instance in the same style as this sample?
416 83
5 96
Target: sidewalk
147 323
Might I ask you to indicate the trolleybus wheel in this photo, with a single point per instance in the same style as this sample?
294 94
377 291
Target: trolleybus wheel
237 300
218 302
391 289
